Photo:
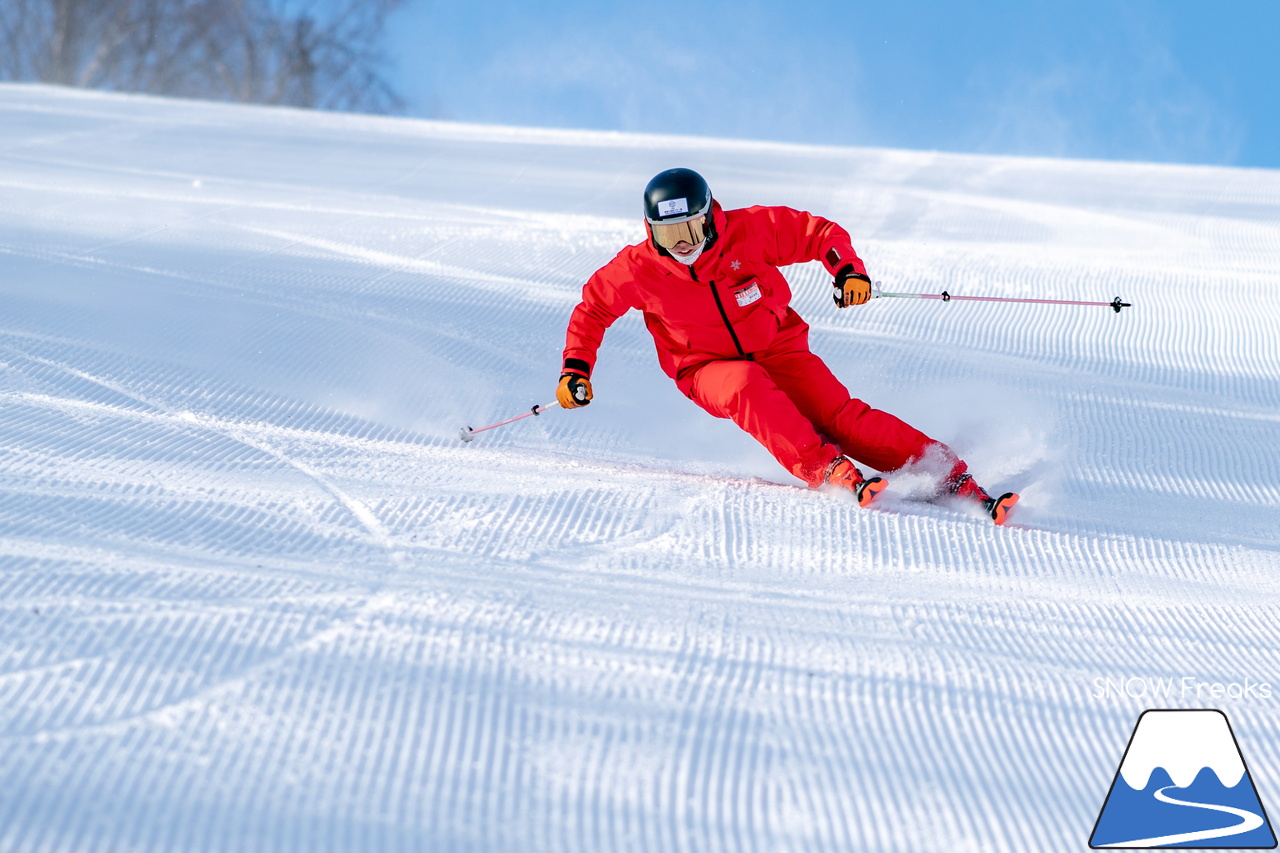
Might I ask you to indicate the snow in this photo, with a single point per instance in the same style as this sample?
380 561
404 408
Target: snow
258 596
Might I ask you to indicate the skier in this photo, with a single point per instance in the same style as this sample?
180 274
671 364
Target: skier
718 308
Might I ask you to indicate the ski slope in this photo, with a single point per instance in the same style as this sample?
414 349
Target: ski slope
256 594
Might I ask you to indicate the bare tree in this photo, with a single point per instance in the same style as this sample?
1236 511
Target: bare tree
306 53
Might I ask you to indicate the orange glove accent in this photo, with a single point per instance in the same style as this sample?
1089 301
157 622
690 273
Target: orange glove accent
851 288
574 391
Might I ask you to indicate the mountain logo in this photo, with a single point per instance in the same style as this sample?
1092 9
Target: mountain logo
1182 783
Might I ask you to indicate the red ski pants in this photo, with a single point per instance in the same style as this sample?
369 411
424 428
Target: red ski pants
794 405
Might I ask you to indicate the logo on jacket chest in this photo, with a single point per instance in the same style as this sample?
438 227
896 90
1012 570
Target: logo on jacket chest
748 293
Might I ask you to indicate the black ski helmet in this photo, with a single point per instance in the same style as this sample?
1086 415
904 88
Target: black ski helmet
676 195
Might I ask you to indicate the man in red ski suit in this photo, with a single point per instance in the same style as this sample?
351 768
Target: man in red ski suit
708 284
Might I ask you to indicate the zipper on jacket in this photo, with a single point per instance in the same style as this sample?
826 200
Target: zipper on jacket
723 314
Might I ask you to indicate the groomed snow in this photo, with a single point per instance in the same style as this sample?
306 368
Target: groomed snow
256 594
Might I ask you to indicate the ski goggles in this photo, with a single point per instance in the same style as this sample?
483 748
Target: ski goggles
668 235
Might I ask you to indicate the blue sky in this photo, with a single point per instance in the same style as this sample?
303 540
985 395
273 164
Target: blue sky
1159 80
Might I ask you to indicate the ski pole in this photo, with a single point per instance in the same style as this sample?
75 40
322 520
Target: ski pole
1114 304
468 434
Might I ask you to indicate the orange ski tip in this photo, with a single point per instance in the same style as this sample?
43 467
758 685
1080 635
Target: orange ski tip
1003 504
870 489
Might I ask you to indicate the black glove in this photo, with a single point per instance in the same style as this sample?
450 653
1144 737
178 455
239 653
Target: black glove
574 391
852 288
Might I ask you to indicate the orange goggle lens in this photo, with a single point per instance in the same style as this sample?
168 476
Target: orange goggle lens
669 236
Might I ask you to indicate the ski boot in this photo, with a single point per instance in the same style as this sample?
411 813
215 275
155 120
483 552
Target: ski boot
843 473
965 487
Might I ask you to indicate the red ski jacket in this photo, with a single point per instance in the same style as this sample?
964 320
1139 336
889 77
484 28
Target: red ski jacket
730 303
